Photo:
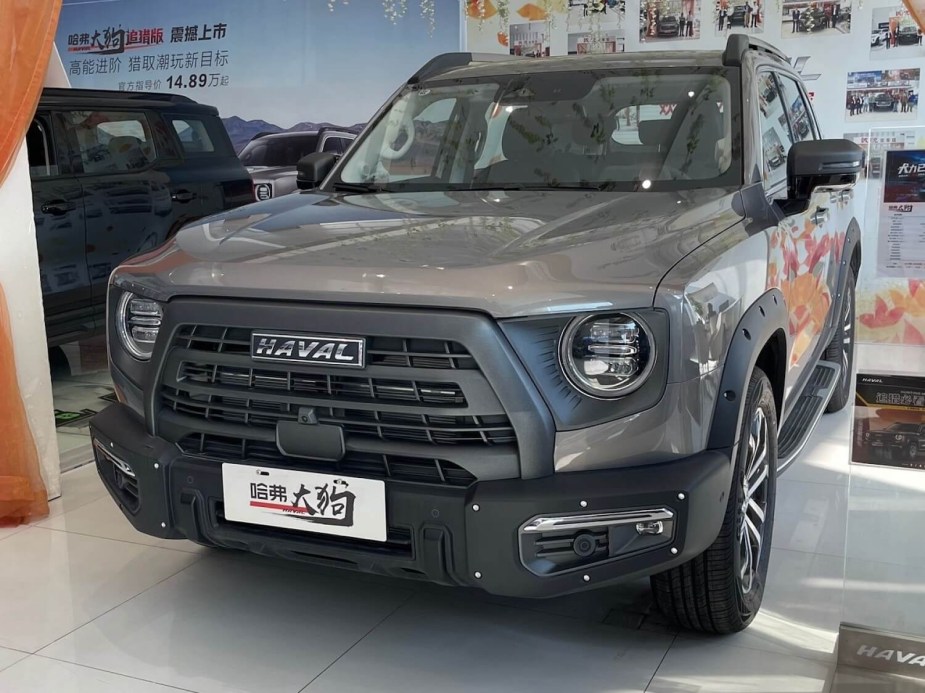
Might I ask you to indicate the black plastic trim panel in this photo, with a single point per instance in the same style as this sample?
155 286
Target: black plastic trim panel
537 342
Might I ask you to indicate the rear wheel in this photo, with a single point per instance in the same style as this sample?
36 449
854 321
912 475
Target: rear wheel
841 349
720 591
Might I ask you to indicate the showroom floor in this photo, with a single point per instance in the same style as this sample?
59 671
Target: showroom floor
87 605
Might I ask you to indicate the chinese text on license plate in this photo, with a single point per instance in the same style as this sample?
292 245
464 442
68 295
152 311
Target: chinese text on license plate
306 501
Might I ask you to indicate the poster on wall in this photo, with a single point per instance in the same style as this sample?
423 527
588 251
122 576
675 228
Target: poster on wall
669 20
889 421
267 66
883 95
596 26
901 251
809 19
738 15
895 34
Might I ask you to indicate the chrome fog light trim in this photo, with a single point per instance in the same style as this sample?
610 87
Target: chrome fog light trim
574 523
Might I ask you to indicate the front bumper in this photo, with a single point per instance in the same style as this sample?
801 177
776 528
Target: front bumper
435 533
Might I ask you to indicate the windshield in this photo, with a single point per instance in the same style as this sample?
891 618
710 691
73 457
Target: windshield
278 151
632 129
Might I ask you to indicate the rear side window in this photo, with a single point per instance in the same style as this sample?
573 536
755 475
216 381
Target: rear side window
109 141
193 135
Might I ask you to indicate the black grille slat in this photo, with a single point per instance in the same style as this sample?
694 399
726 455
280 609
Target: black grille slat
368 465
384 425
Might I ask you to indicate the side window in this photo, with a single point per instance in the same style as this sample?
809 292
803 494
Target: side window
800 124
336 145
775 131
41 150
194 138
109 141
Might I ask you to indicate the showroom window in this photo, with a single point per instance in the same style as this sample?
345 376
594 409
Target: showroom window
41 150
110 141
194 138
801 125
775 132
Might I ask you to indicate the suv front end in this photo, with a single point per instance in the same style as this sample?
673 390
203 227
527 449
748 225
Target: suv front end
445 412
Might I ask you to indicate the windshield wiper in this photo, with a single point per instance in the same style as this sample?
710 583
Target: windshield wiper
357 187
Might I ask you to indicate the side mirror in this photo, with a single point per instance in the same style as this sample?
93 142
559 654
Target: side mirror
313 168
813 164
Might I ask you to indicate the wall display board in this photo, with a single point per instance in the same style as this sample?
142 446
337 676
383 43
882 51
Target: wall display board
889 420
268 65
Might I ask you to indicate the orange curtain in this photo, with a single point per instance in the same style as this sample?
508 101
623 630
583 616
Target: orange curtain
917 10
27 32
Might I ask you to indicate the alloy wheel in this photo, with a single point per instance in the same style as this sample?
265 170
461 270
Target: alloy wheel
847 339
754 506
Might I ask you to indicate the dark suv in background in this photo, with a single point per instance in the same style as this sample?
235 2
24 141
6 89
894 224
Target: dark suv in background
271 159
114 174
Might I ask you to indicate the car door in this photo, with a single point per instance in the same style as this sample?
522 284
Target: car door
127 200
211 177
60 230
801 244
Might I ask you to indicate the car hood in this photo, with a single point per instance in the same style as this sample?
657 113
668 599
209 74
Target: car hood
504 253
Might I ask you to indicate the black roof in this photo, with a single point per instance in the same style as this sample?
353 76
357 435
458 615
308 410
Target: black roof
55 96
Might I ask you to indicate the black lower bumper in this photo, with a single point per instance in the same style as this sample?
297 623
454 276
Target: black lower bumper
470 536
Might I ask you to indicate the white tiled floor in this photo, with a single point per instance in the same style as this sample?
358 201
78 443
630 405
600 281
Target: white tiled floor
99 607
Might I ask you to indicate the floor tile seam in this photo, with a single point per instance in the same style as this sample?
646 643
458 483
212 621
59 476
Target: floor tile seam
824 657
195 560
405 602
121 541
109 671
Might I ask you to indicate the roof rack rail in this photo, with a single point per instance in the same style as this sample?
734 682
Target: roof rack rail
739 44
70 92
448 61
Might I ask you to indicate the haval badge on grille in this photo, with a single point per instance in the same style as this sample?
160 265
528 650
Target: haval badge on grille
329 351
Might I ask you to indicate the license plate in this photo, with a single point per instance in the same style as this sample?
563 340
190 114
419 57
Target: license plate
305 501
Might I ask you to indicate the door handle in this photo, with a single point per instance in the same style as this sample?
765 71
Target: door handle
56 208
183 196
820 216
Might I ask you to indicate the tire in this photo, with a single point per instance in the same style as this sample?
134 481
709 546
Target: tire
841 349
709 593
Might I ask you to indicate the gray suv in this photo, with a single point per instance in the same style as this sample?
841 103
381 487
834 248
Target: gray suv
548 325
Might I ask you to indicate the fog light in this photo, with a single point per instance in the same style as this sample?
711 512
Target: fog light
650 528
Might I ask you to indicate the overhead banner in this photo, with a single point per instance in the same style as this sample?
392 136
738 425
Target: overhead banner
268 65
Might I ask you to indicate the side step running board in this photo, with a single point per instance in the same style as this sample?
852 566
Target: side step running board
806 413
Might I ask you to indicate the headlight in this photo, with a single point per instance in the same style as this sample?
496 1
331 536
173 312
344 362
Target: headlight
607 356
263 191
138 321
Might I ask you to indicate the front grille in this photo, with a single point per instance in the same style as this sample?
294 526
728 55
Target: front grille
416 401
367 465
398 352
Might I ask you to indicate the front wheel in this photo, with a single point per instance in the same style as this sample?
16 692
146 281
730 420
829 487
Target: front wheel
720 591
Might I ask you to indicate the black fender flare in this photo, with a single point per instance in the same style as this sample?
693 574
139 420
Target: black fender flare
764 318
852 243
